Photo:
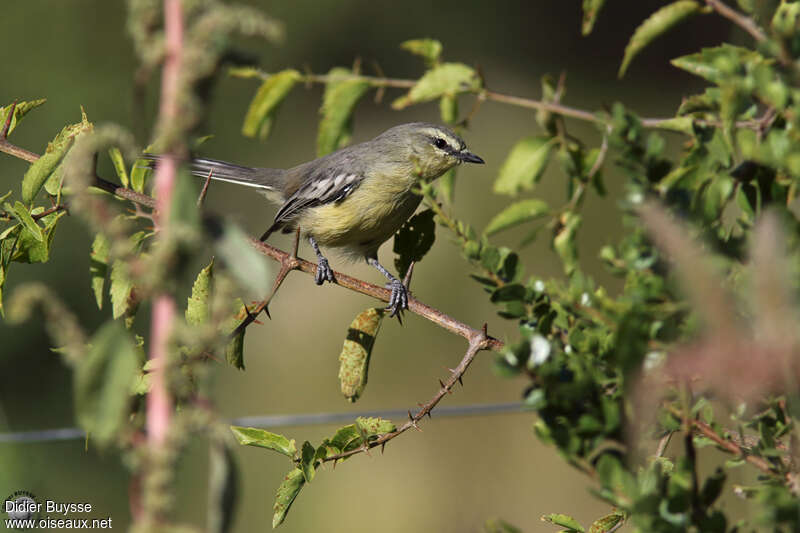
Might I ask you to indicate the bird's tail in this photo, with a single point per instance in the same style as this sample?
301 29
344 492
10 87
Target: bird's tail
265 179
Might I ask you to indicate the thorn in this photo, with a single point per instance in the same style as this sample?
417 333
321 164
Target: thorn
296 243
407 278
429 414
460 381
442 385
365 449
485 329
204 190
10 116
383 446
411 418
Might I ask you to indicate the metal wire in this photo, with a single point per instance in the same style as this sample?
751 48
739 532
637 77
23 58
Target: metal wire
273 421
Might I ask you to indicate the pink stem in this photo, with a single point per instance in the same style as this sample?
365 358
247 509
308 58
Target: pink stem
159 404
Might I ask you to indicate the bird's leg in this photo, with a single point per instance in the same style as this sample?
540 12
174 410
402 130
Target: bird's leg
324 271
399 298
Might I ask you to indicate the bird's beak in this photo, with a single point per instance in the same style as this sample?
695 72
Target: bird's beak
468 157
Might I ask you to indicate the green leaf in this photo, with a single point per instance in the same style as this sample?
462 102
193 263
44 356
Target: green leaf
2 282
342 93
248 267
413 240
234 350
119 165
564 521
258 120
448 107
374 426
307 455
264 439
98 266
184 216
655 25
20 110
445 79
720 63
524 165
607 522
223 478
197 306
121 290
41 169
356 351
517 213
591 8
564 241
21 213
29 248
428 49
140 173
287 492
102 382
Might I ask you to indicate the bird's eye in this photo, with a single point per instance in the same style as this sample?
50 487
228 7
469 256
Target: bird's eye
440 143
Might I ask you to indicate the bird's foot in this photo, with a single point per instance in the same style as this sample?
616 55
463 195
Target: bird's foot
324 272
398 301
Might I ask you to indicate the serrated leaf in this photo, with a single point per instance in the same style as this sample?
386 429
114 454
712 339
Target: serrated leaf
20 110
654 26
591 8
119 165
444 79
342 93
287 492
197 305
264 439
121 289
428 49
517 213
42 168
258 120
29 249
98 266
564 521
102 382
524 165
346 438
307 455
719 63
413 240
356 351
22 214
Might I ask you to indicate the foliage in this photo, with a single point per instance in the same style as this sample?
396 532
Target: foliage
699 344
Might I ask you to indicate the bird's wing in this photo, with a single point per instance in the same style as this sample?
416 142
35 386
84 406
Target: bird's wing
324 186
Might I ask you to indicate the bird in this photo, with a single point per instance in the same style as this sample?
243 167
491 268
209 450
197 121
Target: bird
356 198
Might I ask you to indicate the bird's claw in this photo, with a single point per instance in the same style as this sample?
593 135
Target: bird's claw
324 272
398 301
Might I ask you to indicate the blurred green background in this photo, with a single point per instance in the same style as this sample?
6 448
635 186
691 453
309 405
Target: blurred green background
458 472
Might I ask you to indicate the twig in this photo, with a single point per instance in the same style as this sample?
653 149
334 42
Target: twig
204 191
744 22
477 342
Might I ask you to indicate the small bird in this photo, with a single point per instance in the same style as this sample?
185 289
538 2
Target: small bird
356 198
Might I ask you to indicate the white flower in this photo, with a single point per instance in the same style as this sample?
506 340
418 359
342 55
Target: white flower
538 286
540 350
653 360
511 359
586 300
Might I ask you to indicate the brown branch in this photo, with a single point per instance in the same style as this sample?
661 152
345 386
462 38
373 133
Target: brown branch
380 293
477 342
744 22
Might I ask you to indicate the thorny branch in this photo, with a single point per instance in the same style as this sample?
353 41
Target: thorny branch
477 342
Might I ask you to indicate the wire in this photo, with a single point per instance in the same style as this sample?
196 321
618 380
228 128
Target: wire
272 421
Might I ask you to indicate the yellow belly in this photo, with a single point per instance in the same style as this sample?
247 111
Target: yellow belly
362 221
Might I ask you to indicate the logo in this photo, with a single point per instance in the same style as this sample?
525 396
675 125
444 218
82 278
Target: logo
22 510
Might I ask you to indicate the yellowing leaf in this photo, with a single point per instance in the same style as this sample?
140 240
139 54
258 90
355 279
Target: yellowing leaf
355 355
342 94
20 110
515 214
524 165
655 25
258 120
444 79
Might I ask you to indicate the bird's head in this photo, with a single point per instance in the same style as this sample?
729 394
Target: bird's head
432 149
